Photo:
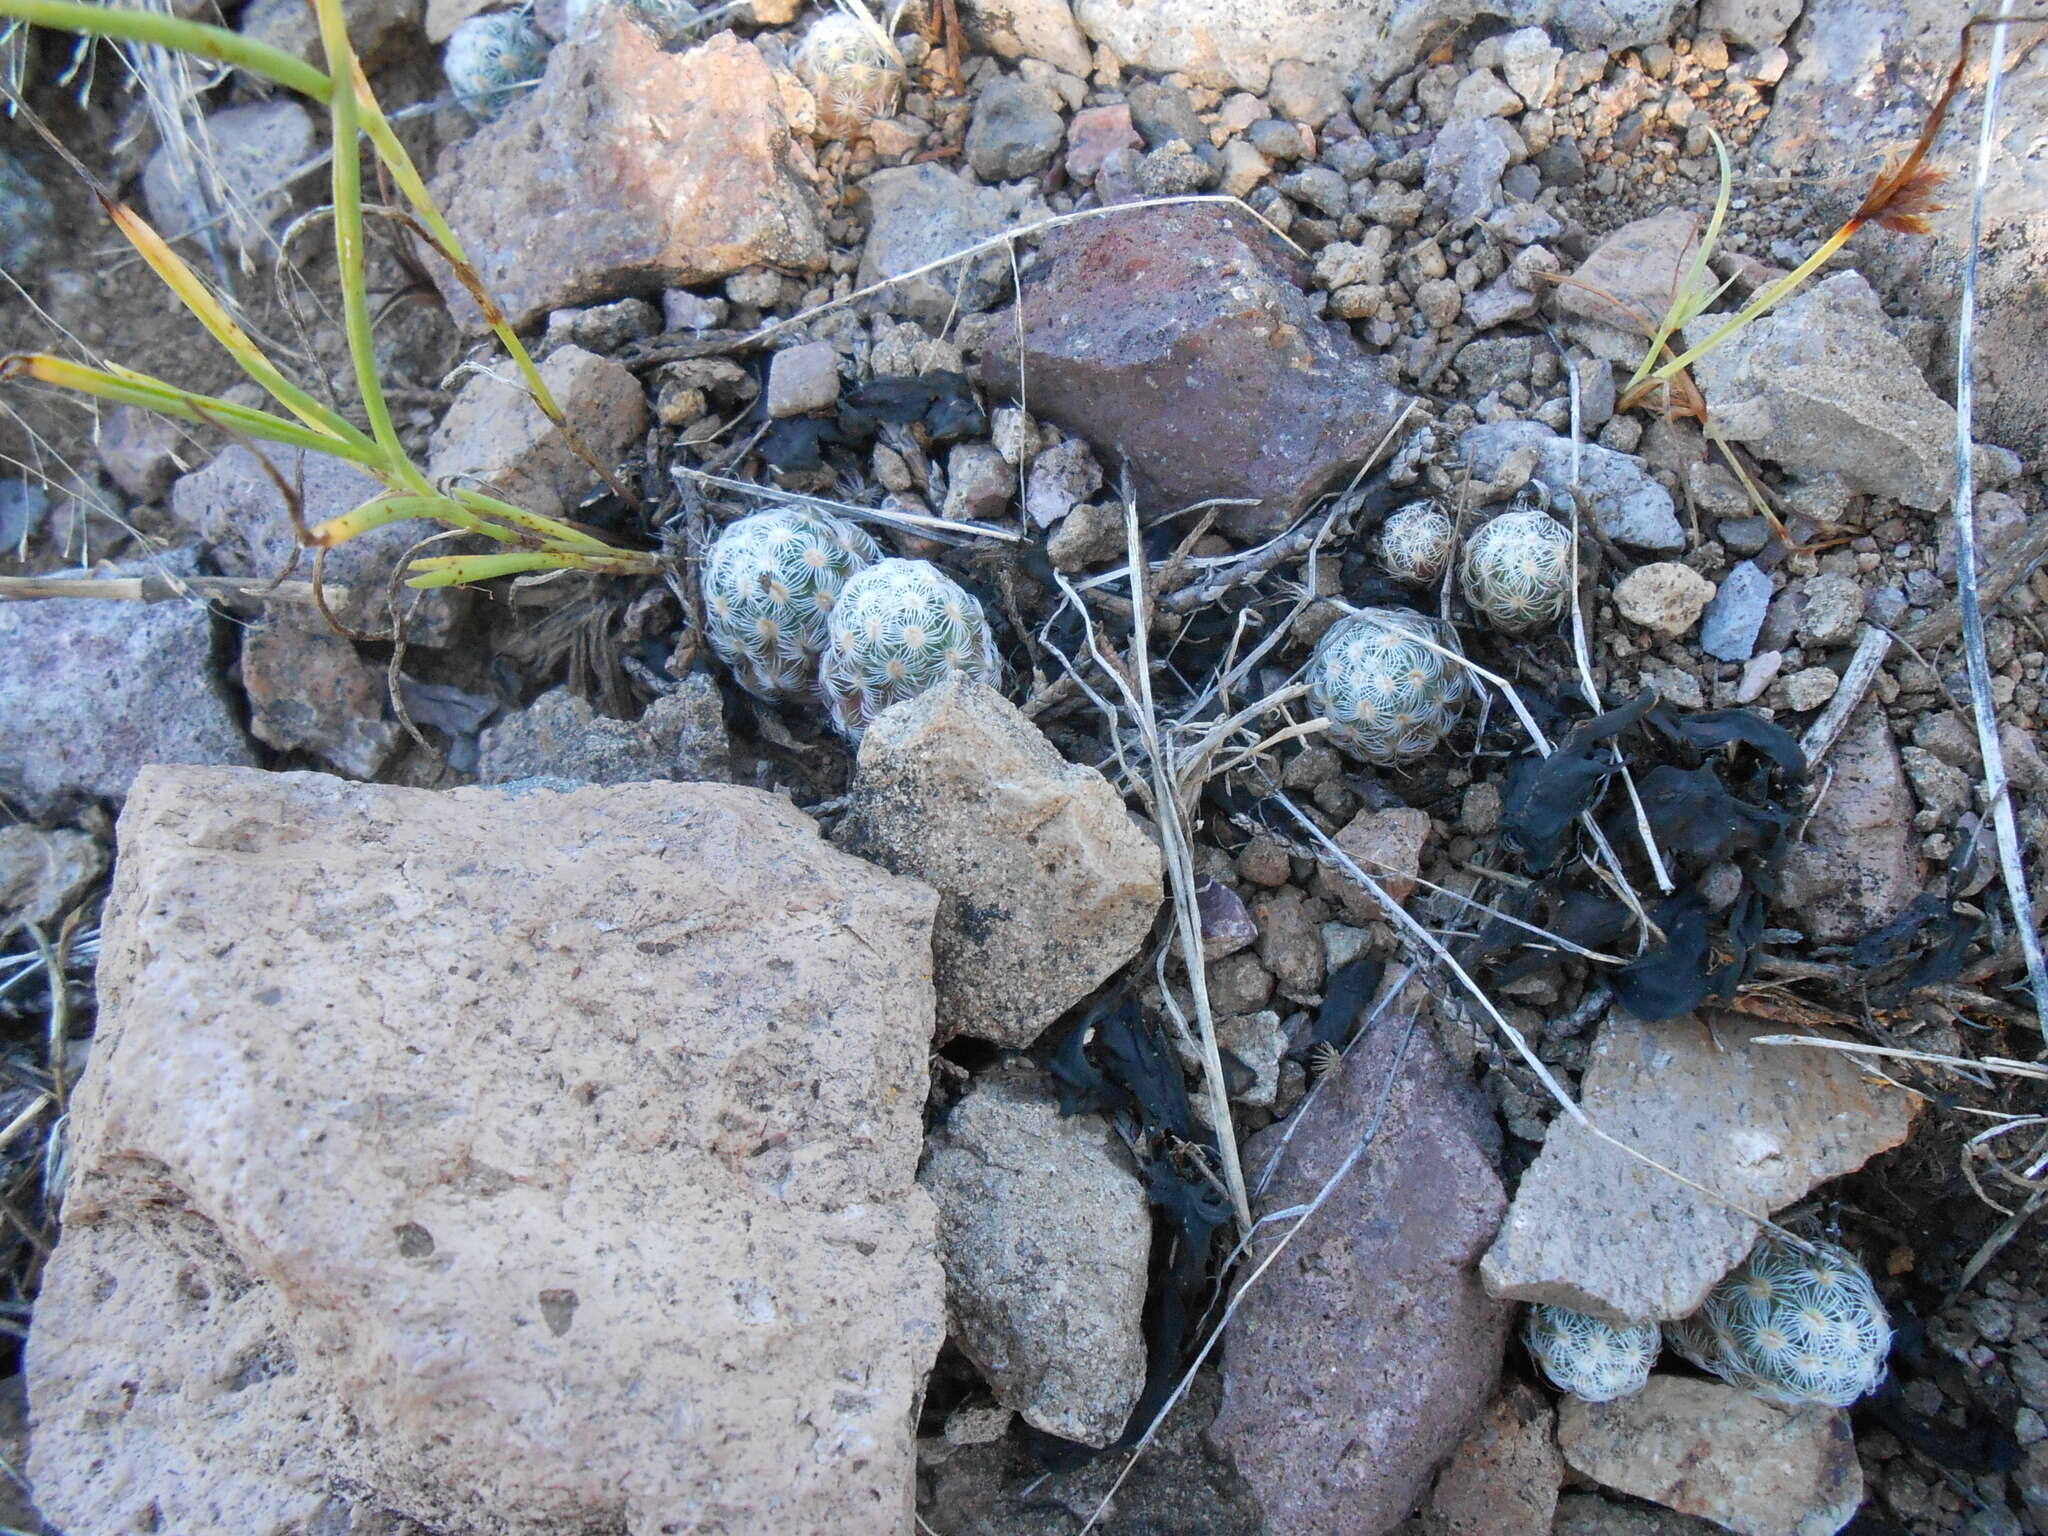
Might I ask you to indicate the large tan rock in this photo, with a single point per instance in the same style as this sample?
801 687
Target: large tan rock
1046 885
1703 1448
629 170
1594 1229
515 1163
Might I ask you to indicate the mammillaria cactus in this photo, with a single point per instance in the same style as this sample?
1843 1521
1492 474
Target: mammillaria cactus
853 68
1415 544
899 628
1588 1358
1388 697
1791 1324
769 582
1518 568
488 56
25 214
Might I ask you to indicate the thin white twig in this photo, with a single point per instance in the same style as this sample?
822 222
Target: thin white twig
1996 790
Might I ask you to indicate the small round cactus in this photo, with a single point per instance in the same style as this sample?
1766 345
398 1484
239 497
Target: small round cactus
1517 569
25 215
1791 1325
899 628
853 68
1588 1358
1415 544
1388 696
489 56
769 582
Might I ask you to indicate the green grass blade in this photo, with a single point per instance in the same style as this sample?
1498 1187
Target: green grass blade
167 31
460 570
1692 296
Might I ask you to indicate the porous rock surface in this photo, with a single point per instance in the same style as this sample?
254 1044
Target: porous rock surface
235 506
1596 1230
629 170
1046 886
1503 1480
680 735
1045 1234
1859 864
1369 1350
90 692
1180 338
1703 1448
515 1164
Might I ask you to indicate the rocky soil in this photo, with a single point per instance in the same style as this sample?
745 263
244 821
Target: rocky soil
467 1066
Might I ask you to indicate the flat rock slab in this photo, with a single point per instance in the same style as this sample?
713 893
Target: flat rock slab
1180 338
1627 503
629 169
91 691
1045 1234
680 735
515 1163
1703 1448
1046 886
1503 1480
1858 866
1368 1352
1821 386
1596 1230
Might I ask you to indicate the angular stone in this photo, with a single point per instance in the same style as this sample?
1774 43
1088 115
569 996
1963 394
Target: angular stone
1625 284
1388 846
1821 386
1598 1231
1226 926
1045 1236
1061 479
803 379
918 213
1094 134
1365 1356
1858 865
1180 337
629 169
43 874
1046 885
251 152
1028 29
454 1156
309 691
1016 129
375 28
236 508
495 432
1587 1514
143 452
1735 617
1228 43
1664 596
681 735
1703 1448
1630 506
1306 93
92 691
1462 175
1503 1480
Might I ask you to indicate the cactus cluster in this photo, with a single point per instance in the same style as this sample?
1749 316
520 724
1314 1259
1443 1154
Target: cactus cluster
488 56
1792 1324
1517 570
853 68
25 214
769 582
899 628
1387 695
1415 543
1588 1358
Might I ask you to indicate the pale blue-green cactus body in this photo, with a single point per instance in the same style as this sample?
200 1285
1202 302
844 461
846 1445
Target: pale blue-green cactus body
1792 1325
1389 697
770 581
490 58
1517 569
1415 544
899 628
1588 1358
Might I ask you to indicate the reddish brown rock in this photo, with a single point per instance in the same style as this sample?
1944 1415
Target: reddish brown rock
1503 1481
309 691
1367 1353
1388 846
1180 339
630 170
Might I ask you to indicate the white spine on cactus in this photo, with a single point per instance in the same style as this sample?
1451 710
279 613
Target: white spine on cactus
853 68
769 582
899 628
1588 1358
1790 1325
1415 544
1388 697
1517 569
488 56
